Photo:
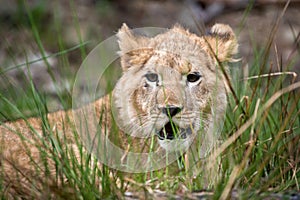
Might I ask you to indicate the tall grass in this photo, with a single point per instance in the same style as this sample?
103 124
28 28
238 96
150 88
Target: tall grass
259 153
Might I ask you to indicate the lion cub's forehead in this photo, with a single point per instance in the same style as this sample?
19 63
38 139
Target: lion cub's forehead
163 59
178 51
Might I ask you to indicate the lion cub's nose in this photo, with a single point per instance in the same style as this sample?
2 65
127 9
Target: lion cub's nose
171 110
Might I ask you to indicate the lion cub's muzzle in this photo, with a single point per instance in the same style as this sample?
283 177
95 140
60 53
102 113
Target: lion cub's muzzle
170 130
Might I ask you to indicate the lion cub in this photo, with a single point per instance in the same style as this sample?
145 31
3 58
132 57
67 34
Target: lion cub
171 98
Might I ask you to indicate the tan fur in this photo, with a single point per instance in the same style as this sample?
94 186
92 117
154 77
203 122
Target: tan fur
138 102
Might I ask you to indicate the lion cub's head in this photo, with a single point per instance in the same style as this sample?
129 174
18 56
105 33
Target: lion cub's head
172 84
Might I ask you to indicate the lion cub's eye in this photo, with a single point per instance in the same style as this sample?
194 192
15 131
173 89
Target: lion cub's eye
193 77
152 77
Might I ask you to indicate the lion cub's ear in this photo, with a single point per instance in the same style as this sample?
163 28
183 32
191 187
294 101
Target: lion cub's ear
221 42
134 50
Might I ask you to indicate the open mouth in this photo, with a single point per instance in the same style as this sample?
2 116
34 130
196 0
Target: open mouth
171 131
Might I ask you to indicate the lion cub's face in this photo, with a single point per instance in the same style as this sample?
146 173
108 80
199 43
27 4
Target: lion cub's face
172 85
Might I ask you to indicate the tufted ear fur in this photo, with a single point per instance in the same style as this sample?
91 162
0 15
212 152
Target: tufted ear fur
221 42
134 50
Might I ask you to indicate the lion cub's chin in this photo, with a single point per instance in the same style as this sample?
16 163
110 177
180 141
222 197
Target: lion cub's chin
176 145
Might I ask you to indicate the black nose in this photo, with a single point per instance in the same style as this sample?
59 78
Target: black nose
171 110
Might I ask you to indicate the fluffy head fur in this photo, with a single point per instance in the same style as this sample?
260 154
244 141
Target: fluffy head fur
171 84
